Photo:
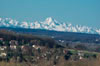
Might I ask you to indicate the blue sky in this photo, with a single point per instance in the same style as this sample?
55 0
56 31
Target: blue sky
83 12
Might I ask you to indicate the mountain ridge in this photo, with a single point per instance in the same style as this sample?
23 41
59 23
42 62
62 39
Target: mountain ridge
48 24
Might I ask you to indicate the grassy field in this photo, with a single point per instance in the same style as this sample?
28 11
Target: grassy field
61 62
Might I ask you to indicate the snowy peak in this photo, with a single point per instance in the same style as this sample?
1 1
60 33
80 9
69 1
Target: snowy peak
49 19
48 24
52 24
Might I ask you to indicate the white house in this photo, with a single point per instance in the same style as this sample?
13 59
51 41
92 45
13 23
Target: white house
3 54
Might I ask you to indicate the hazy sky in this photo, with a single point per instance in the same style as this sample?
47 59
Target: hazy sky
83 12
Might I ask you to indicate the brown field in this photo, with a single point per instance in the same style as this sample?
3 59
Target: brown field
61 62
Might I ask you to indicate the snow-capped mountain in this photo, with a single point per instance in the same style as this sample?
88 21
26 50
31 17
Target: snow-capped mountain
48 24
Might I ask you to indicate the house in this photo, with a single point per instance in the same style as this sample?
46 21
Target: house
3 48
22 47
65 51
13 44
3 55
25 49
13 47
80 54
36 47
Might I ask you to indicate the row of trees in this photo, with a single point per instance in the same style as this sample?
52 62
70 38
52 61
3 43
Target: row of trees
83 46
26 38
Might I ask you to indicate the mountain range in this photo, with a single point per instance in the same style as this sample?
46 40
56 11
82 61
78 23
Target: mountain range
48 24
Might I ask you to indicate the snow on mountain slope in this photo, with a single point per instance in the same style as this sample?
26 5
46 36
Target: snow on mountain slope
48 24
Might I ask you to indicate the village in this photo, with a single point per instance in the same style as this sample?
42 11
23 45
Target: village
12 51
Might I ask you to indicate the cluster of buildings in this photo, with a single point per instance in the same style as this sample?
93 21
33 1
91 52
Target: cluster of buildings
45 53
13 44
